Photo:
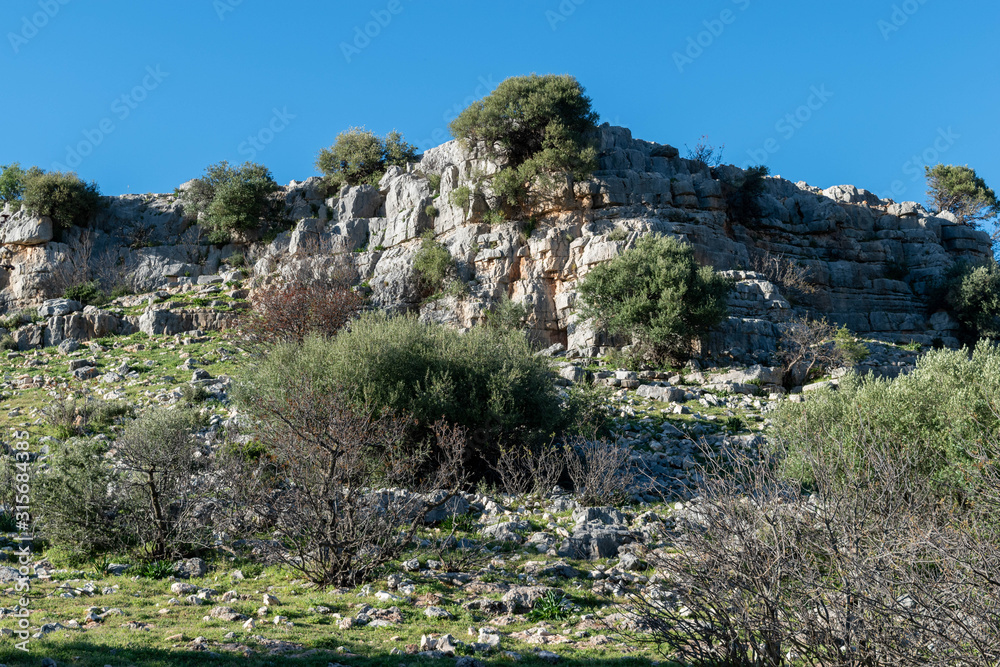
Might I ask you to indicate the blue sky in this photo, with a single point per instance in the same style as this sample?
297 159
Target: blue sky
142 96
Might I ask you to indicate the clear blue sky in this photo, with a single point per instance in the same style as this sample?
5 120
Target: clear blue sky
154 92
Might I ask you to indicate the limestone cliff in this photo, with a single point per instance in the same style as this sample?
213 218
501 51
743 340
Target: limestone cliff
871 262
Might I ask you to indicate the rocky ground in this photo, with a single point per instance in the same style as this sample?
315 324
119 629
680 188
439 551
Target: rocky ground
544 580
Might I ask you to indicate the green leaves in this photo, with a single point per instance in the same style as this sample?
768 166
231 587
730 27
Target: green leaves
358 156
959 190
63 197
657 293
232 199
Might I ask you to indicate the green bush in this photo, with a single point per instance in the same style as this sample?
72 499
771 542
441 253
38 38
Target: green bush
487 380
431 211
535 126
435 181
460 197
507 315
12 183
358 157
936 417
232 200
88 293
63 197
959 190
657 294
853 350
432 265
972 293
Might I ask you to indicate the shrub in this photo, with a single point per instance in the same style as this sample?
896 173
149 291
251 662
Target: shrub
88 293
232 200
529 469
960 190
935 417
972 293
323 490
535 126
602 471
744 202
853 350
485 380
63 197
618 234
705 152
656 293
807 349
73 417
358 156
12 183
507 314
7 342
289 311
431 211
460 197
236 260
435 182
431 265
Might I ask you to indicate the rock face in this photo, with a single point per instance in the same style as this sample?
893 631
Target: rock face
871 263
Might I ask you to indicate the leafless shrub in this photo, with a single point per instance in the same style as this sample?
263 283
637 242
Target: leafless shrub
72 267
602 471
115 272
530 469
328 487
868 570
290 311
783 272
807 347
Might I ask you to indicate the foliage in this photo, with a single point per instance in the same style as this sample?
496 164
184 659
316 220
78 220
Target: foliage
507 314
656 293
12 183
155 569
232 200
705 152
460 197
431 265
431 211
88 293
63 197
972 293
807 349
291 310
535 126
960 190
549 607
529 469
358 157
72 417
744 202
854 351
322 491
935 417
435 182
618 234
486 380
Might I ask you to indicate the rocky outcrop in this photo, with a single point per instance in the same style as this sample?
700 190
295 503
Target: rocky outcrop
871 263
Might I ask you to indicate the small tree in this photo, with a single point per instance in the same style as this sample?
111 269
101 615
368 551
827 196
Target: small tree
807 347
232 200
535 126
972 292
657 294
432 265
706 153
63 197
359 156
959 190
12 183
288 312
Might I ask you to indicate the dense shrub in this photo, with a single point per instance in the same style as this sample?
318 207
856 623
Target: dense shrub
744 201
358 156
935 417
431 265
63 197
88 293
972 293
960 190
232 200
12 183
657 294
535 126
486 380
289 311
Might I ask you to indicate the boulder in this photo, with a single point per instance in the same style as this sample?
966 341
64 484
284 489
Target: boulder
26 230
58 307
362 201
190 568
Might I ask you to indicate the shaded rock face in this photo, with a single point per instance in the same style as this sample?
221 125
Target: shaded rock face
872 262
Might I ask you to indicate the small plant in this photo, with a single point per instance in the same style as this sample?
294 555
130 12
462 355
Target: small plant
549 607
7 523
493 218
460 197
431 265
853 350
618 234
431 211
7 342
435 181
156 569
912 346
236 260
88 293
194 393
735 424
705 152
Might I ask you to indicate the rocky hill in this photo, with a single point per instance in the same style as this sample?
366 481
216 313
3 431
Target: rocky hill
869 263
